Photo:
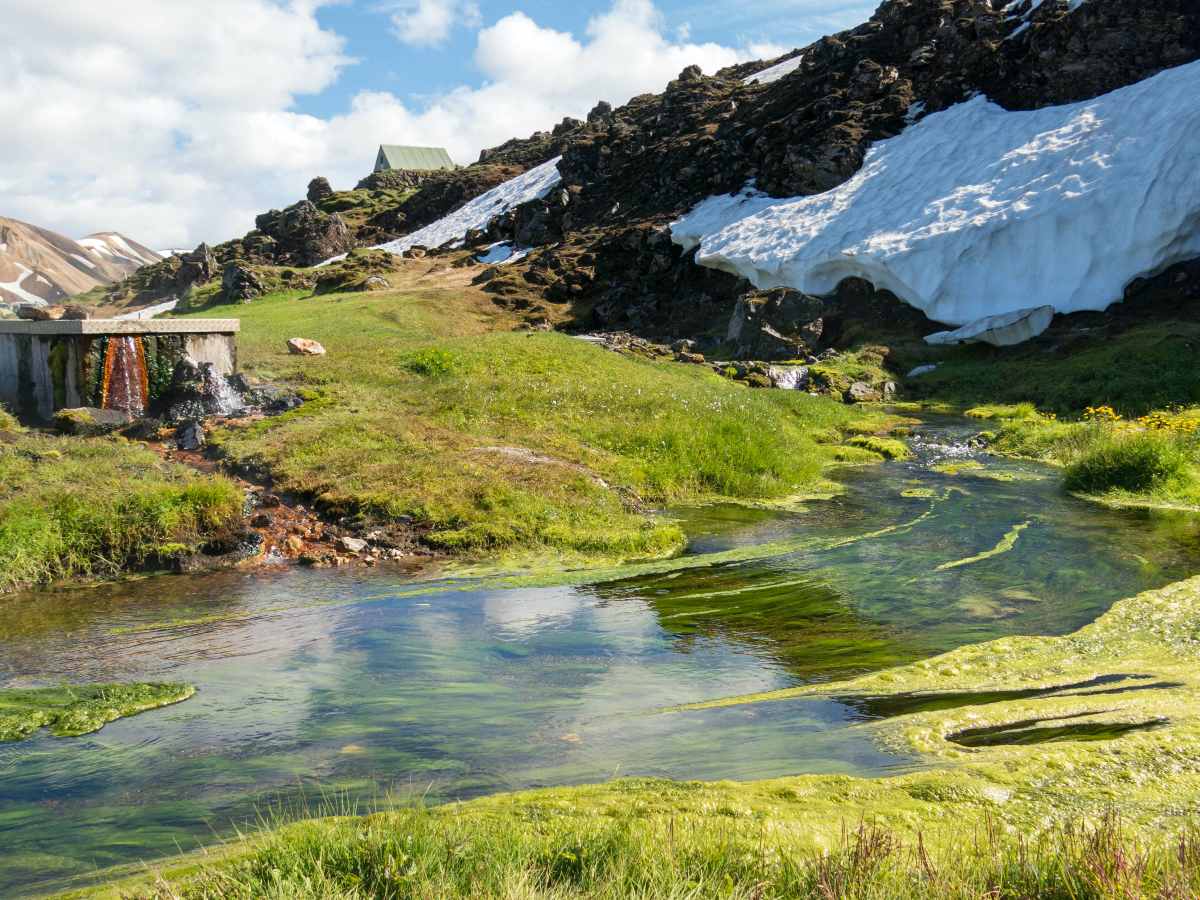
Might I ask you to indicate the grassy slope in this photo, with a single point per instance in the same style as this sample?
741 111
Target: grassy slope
995 818
74 507
430 408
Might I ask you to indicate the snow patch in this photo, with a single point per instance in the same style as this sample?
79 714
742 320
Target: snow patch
1005 330
83 259
975 211
478 213
776 72
502 254
96 245
14 287
148 312
1026 18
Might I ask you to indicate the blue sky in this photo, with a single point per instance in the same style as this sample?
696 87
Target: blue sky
198 116
385 63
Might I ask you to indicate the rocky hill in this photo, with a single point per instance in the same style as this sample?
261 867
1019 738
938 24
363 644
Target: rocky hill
602 253
38 266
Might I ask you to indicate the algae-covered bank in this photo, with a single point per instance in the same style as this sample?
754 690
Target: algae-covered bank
351 690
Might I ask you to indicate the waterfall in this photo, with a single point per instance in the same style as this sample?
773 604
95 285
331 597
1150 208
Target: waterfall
126 384
219 396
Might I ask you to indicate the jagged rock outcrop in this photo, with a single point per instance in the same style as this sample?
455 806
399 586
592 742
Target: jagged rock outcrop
303 235
240 283
319 189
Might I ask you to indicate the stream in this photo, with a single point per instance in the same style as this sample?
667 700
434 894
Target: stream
355 689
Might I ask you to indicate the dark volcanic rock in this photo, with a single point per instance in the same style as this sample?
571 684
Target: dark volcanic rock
318 189
240 283
304 235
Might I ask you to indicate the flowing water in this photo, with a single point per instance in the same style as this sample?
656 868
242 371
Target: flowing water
125 387
371 687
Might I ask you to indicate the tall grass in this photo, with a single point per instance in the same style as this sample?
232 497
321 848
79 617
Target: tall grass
1134 462
427 854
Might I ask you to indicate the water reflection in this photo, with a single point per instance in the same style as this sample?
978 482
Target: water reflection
337 681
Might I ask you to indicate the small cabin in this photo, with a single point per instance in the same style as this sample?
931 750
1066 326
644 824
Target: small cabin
413 159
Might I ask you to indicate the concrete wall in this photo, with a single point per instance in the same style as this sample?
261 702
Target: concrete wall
218 349
27 383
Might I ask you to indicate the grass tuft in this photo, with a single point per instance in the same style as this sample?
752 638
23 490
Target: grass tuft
1139 462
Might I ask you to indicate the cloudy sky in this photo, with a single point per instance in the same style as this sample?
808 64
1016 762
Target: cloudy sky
176 121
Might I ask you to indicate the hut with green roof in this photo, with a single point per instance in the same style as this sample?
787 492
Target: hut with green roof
412 159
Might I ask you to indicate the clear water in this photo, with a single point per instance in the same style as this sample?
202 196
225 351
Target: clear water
370 687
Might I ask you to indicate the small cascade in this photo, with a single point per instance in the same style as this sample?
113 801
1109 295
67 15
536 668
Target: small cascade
220 397
126 385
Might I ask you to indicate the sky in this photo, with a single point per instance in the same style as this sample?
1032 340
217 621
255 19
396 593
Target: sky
174 121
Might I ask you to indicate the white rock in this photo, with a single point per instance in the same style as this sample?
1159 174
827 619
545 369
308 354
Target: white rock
973 211
790 378
999 331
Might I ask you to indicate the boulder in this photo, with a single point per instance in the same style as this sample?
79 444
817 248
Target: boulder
198 391
190 436
76 313
240 283
861 392
305 347
789 378
319 189
351 544
775 324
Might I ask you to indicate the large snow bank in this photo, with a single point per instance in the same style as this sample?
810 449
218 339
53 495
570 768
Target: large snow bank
977 211
478 213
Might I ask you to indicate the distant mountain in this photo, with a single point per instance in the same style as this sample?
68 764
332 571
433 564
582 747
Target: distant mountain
39 266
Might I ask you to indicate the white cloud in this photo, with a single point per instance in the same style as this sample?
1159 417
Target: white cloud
428 23
174 122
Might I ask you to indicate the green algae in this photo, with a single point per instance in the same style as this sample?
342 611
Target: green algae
74 710
888 448
958 467
1006 544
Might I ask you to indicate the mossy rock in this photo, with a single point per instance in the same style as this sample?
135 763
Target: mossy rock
888 448
87 421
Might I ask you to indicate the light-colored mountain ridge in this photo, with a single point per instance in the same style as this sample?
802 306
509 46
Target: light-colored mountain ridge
40 266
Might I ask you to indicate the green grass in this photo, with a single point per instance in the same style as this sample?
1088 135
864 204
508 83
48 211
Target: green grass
79 507
73 710
1154 459
532 848
1140 462
1145 368
494 440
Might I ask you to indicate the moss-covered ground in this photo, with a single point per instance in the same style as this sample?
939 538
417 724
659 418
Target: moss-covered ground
93 507
430 406
1073 728
73 710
